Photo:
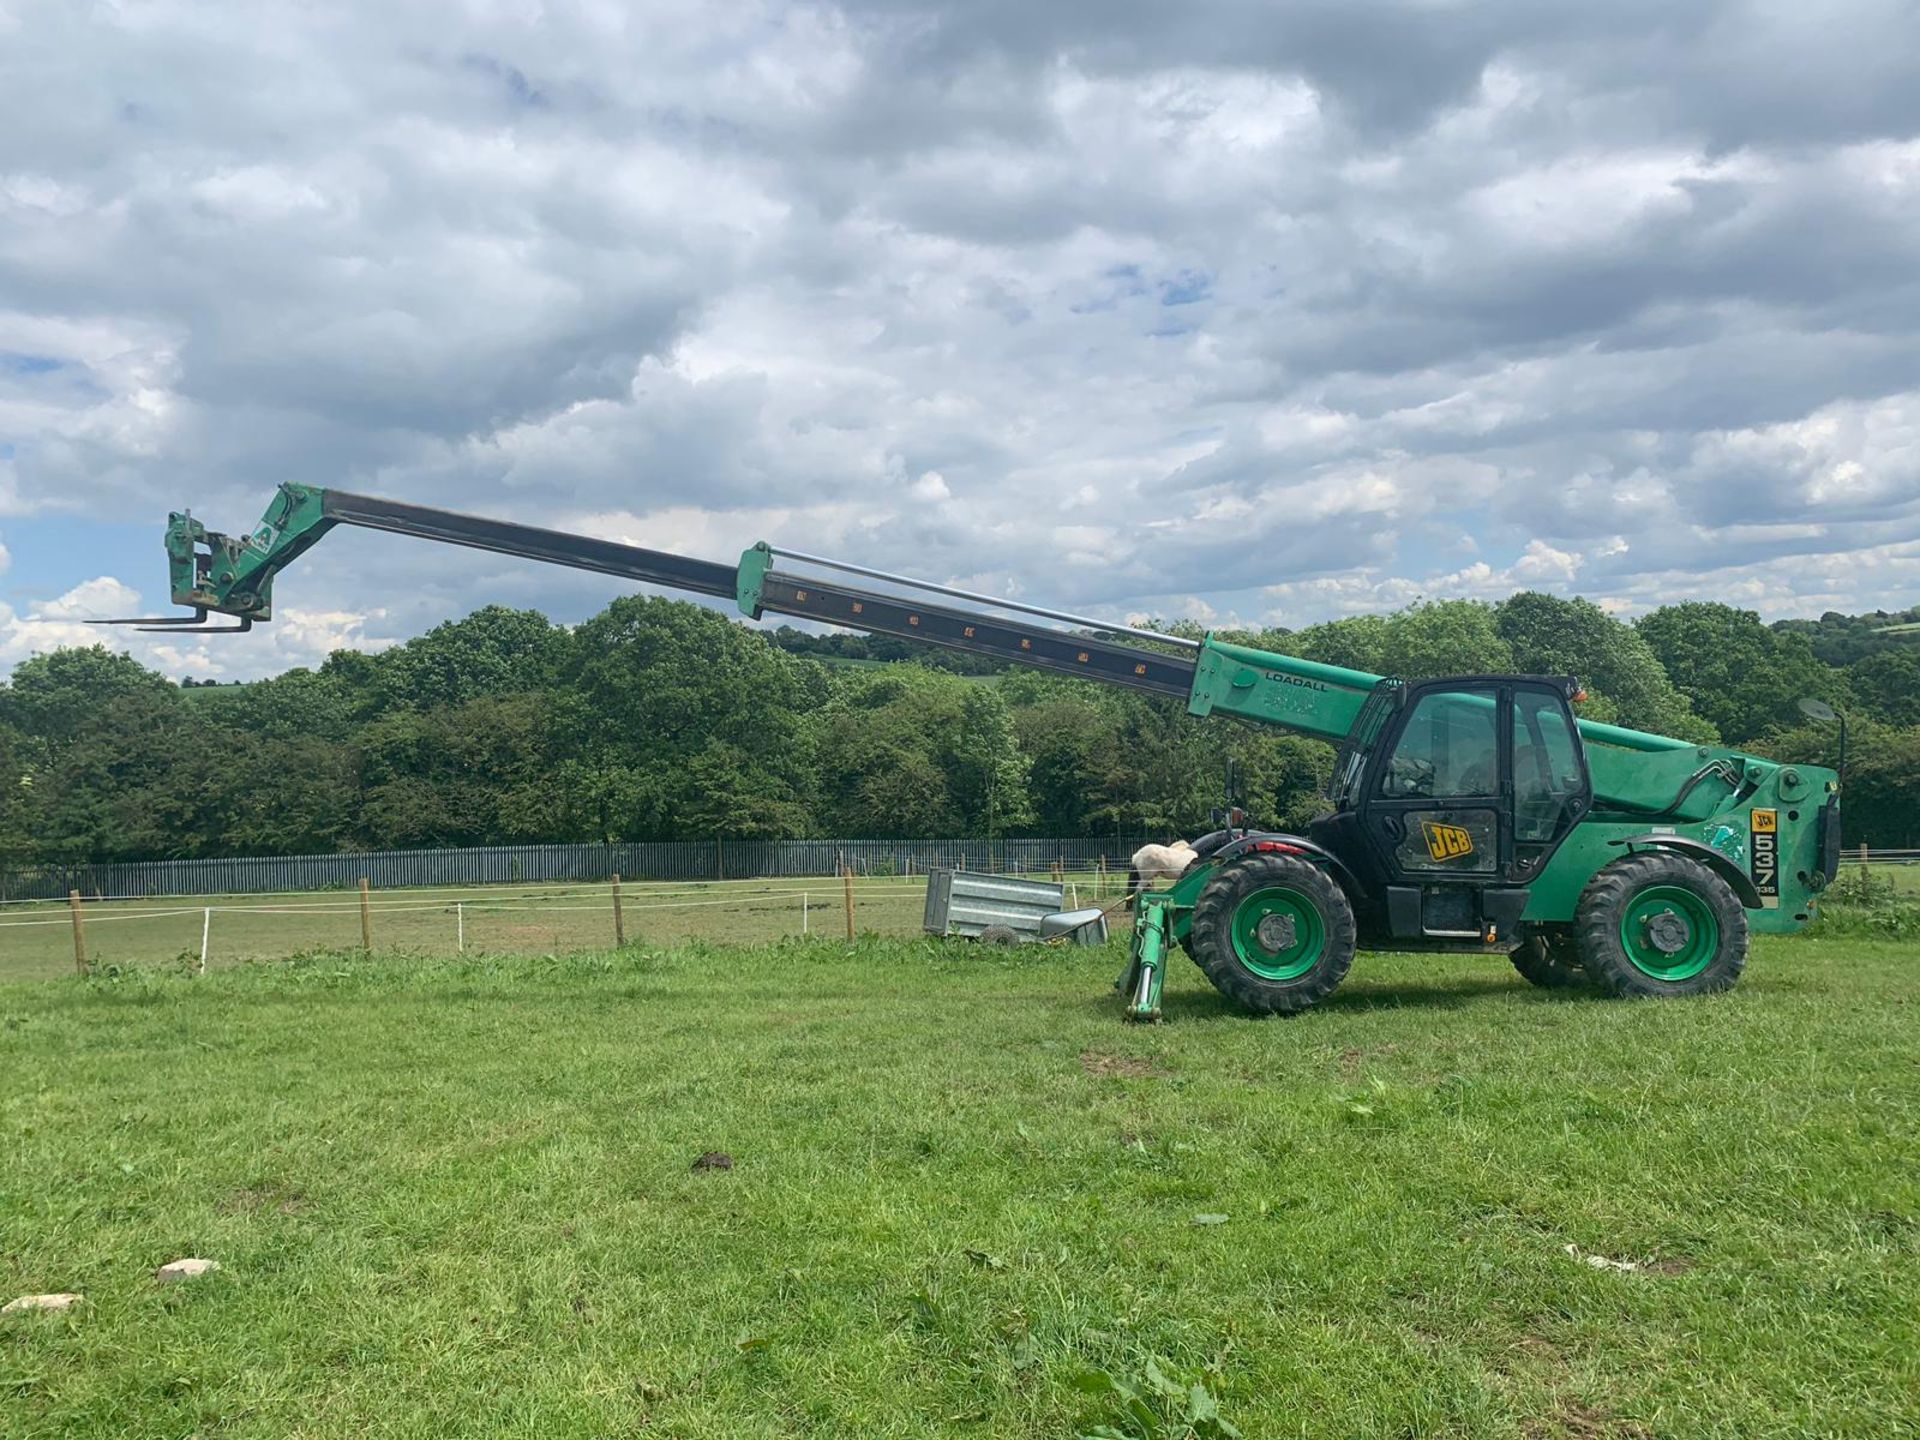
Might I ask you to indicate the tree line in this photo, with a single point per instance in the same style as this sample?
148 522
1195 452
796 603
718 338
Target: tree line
658 719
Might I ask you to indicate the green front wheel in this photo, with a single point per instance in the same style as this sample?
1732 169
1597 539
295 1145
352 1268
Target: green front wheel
1661 924
1273 933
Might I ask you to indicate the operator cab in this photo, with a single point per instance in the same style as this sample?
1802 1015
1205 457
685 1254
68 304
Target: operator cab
1449 797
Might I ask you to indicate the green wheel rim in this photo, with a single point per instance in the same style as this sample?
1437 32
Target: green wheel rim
1683 949
1283 951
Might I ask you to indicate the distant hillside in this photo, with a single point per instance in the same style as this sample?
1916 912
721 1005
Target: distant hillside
1843 639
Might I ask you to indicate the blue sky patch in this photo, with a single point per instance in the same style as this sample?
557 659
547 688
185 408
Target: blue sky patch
14 363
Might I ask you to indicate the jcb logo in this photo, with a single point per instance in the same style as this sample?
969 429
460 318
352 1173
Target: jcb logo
1446 842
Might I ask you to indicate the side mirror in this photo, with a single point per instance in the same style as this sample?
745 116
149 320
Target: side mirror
1820 710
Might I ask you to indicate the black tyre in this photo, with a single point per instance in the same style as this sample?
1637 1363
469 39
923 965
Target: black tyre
1273 933
1551 961
1661 924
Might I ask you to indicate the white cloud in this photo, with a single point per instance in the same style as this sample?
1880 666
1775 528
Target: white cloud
297 637
100 598
1176 311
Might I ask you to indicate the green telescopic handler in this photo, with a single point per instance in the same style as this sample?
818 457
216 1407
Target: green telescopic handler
1466 813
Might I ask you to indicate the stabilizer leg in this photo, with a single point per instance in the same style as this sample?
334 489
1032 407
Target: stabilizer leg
1146 969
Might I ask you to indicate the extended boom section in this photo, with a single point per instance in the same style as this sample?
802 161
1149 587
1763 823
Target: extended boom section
1471 812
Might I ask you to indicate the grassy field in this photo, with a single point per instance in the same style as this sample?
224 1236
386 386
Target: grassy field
458 1197
36 940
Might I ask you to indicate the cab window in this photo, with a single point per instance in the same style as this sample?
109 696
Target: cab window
1449 748
1547 783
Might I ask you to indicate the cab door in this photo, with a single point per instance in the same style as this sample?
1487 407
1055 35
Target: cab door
1458 831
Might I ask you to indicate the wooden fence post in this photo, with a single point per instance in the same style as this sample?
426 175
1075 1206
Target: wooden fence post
79 933
366 919
1866 877
619 915
846 872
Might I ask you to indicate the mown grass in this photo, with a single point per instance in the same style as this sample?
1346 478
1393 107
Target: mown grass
457 1198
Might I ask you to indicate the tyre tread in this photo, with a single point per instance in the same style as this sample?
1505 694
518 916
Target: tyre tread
1606 897
1211 934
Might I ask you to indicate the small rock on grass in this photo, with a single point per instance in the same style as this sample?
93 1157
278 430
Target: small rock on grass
40 1302
190 1268
1600 1262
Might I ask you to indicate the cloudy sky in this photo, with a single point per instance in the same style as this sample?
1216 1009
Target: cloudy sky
1234 310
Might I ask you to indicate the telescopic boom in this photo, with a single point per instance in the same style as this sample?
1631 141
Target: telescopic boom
213 573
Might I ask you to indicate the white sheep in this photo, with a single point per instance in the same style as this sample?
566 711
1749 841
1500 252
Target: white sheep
1152 863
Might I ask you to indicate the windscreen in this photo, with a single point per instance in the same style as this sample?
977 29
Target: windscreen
1350 766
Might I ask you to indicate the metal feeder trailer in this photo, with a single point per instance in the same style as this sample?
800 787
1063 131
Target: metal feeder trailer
994 907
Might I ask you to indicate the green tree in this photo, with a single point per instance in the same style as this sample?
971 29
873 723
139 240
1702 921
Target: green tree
885 754
990 769
52 697
656 682
1886 685
114 781
1552 636
1880 795
735 794
1844 640
493 651
298 795
477 773
17 839
1741 677
1063 735
301 704
1446 637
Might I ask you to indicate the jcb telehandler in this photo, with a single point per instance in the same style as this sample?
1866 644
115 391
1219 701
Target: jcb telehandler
1473 812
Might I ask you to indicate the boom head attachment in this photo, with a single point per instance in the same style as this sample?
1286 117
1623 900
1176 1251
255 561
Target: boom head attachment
209 572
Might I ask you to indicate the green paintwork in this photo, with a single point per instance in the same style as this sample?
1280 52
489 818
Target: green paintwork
1702 932
240 570
1309 932
1146 971
1319 700
755 561
1795 793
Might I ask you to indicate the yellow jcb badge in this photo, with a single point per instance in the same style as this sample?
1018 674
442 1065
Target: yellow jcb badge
1446 842
1766 822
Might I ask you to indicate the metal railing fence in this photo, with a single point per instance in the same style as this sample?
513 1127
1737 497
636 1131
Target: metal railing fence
557 864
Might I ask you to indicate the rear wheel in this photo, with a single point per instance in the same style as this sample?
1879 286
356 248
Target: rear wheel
1551 961
1661 924
1273 933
